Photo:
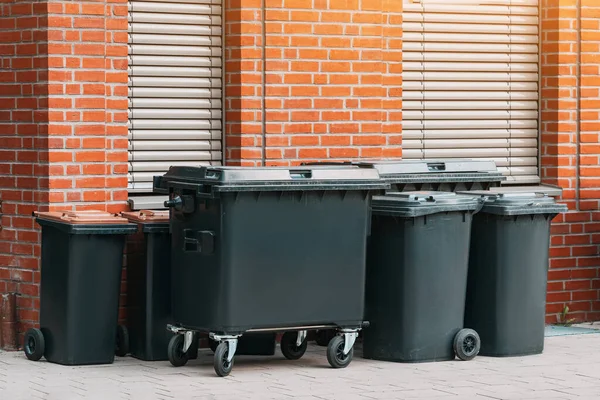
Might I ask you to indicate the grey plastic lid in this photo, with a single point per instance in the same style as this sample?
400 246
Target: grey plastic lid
415 204
451 170
518 203
231 179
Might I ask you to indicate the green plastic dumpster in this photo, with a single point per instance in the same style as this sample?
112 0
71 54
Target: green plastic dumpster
417 278
279 249
508 267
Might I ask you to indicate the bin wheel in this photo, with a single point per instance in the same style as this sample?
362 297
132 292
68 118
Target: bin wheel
322 337
222 366
177 357
34 344
122 343
335 353
213 344
289 349
467 344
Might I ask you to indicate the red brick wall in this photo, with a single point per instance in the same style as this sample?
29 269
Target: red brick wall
63 124
570 153
312 80
23 144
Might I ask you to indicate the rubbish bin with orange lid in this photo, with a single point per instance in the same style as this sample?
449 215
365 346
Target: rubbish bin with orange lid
148 288
81 260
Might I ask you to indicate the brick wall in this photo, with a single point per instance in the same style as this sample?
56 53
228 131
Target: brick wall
23 140
313 79
63 124
570 152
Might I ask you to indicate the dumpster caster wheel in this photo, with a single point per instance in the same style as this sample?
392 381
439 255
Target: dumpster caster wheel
34 344
122 345
335 353
467 344
213 344
323 337
290 348
222 365
177 357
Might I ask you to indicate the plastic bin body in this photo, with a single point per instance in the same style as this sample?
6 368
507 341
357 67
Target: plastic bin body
416 279
279 253
79 291
149 285
508 267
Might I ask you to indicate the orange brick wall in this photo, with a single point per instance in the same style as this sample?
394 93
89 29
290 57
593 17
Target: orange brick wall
63 124
23 144
312 80
571 152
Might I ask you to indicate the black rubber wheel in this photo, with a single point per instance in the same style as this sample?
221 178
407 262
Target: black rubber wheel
34 344
222 366
122 343
177 357
467 344
289 349
323 337
213 344
335 353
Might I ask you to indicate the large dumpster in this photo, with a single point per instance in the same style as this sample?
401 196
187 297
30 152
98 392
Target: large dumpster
268 249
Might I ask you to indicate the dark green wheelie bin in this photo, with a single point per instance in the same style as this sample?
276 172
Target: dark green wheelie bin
508 267
417 263
148 287
278 250
82 255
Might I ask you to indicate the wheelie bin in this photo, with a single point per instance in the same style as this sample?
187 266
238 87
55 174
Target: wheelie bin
259 237
417 278
81 258
148 288
508 267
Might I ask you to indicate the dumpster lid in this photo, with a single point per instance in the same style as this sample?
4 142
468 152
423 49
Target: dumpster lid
419 203
147 216
88 217
314 177
429 166
517 203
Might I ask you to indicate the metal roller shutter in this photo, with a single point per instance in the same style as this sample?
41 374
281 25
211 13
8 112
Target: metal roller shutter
470 82
175 87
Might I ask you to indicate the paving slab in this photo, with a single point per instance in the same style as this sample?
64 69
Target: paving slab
569 368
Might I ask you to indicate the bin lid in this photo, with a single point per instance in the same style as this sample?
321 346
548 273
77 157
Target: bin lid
517 203
235 179
147 216
419 203
86 222
150 221
82 217
434 170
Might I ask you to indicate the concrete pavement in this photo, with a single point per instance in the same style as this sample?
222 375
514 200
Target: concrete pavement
568 369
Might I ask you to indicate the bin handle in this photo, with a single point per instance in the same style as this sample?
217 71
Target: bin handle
481 202
198 241
440 166
301 174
